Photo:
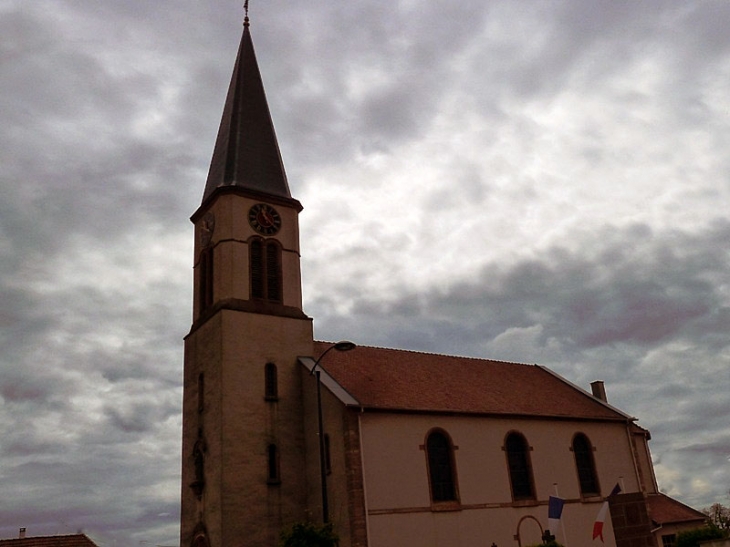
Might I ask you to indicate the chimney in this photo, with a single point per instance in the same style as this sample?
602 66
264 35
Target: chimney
599 390
21 533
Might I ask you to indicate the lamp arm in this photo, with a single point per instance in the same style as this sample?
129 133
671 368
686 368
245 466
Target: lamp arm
319 359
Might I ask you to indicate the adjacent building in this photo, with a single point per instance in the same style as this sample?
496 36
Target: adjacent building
66 540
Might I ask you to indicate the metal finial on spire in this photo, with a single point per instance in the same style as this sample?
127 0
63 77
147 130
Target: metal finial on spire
245 9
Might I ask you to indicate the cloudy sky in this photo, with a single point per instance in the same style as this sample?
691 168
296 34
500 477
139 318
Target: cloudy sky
542 181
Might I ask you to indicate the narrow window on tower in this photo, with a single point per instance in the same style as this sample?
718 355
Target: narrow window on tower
257 268
273 271
201 392
327 455
199 466
585 465
441 468
271 383
520 469
206 278
265 261
273 464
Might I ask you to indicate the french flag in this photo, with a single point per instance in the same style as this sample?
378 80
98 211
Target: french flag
601 518
555 510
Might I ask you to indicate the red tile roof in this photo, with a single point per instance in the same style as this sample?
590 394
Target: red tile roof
392 379
73 540
666 510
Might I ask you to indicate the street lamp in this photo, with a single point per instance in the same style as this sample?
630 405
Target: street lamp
343 345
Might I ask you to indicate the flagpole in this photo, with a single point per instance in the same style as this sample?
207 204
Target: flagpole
562 524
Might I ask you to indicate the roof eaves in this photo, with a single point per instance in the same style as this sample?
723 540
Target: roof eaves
65 540
487 414
330 383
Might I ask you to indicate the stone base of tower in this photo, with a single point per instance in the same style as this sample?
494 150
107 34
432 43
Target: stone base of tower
243 473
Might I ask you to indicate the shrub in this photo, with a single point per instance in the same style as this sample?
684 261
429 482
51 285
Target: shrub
308 534
692 538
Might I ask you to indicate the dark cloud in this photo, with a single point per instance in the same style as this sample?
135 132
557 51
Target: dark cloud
623 286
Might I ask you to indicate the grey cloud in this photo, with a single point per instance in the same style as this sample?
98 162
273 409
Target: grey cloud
110 111
139 418
638 289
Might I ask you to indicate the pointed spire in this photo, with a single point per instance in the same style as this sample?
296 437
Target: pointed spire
246 153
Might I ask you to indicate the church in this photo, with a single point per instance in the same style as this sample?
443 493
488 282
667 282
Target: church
395 448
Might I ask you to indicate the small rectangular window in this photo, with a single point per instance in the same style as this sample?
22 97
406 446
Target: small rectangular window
206 278
201 392
271 387
327 454
273 464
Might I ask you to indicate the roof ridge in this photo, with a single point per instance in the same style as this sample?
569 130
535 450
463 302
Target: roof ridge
587 394
435 354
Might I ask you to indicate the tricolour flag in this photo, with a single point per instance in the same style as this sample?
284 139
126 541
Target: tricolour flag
555 510
601 518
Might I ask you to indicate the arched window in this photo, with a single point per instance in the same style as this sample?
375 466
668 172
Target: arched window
441 468
271 383
272 453
205 287
265 260
585 465
520 469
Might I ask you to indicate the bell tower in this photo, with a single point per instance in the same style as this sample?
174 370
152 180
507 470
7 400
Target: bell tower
243 475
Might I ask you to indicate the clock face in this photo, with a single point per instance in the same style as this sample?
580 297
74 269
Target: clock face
264 219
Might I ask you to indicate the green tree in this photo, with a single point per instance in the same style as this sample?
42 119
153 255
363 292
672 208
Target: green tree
308 534
692 538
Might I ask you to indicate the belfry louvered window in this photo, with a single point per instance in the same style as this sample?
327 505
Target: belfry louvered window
265 260
273 288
